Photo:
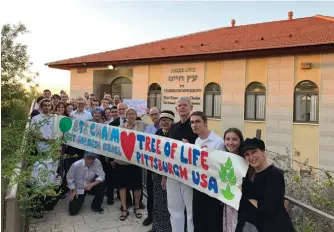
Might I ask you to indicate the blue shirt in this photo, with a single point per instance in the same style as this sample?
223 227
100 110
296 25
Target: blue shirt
152 129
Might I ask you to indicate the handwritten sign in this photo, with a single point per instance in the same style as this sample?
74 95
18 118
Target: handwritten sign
139 105
215 173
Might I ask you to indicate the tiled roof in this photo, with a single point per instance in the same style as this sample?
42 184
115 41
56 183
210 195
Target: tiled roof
310 31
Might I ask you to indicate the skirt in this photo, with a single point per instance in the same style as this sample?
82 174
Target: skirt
161 216
128 176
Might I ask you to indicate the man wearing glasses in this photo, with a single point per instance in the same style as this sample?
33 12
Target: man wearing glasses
86 175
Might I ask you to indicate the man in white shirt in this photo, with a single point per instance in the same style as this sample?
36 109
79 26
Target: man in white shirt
81 113
42 125
86 175
207 211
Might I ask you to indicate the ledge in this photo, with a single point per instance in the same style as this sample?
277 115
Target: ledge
306 124
215 119
255 121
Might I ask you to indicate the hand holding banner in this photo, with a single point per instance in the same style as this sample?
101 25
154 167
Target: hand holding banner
215 173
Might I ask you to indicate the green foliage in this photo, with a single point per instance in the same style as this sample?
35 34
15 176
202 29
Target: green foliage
15 75
309 185
227 175
17 143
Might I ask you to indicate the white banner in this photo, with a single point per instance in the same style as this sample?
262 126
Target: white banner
216 173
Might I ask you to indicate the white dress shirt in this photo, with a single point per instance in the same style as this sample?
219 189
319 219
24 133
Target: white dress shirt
84 115
43 125
80 175
213 142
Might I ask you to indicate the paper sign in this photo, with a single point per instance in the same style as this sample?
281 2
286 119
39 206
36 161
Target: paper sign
139 105
216 173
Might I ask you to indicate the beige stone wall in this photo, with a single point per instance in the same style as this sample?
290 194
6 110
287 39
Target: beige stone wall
326 113
81 83
279 111
233 91
140 82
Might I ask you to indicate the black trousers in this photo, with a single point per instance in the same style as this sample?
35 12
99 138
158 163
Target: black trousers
76 204
207 213
45 203
149 189
110 180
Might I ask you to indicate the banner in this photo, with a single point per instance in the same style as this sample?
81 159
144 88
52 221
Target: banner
216 173
139 105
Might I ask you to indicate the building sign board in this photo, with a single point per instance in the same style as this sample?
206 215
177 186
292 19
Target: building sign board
185 79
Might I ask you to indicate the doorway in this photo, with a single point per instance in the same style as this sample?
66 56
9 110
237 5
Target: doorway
122 86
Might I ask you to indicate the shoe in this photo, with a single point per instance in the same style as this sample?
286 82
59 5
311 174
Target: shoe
99 210
123 217
147 221
127 206
110 202
141 205
50 208
38 216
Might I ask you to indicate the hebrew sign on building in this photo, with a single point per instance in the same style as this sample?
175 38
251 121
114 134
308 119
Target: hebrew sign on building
185 79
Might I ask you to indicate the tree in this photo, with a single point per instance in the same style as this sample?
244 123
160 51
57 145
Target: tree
15 74
17 143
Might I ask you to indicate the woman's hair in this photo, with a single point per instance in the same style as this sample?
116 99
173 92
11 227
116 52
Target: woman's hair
58 106
68 104
237 131
200 114
251 170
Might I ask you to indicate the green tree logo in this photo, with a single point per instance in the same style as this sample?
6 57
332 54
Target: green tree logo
227 175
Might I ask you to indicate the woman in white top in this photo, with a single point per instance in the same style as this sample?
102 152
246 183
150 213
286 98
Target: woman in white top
233 139
129 175
207 211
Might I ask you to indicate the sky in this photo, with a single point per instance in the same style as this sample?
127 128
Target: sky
68 28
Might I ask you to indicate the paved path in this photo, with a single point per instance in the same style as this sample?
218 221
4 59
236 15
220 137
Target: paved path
59 220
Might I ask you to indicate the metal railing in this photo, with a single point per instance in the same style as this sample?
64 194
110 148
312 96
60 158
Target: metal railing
12 220
310 218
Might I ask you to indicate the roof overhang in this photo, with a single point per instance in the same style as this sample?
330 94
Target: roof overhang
324 48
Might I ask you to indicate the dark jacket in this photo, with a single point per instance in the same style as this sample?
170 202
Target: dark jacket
116 122
268 188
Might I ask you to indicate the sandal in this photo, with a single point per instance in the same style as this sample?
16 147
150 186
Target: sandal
137 213
124 217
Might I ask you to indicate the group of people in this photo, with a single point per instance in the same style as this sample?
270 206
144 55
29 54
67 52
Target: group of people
172 206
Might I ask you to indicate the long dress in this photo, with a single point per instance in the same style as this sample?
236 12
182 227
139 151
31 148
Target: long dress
161 216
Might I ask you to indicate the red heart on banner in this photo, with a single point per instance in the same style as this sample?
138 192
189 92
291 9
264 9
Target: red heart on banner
128 143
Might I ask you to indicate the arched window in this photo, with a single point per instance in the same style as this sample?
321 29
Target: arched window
154 96
122 86
306 106
212 96
255 102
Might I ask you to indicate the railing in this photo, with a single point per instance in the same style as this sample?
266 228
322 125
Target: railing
311 219
12 220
